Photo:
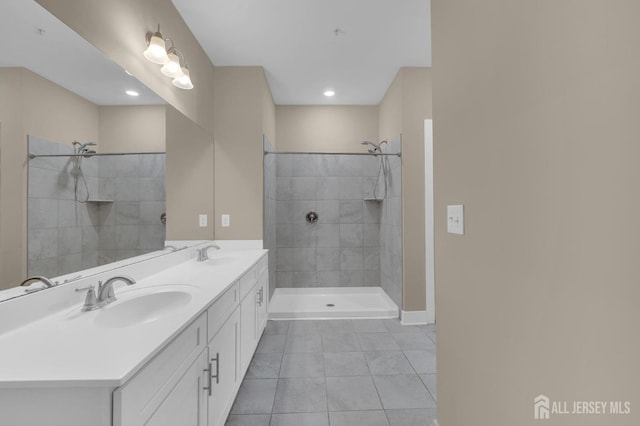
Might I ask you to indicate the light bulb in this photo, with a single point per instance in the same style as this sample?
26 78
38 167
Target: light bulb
183 82
156 51
172 68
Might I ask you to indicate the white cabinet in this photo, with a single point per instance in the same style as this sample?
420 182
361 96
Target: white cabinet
186 404
225 366
248 320
253 310
144 394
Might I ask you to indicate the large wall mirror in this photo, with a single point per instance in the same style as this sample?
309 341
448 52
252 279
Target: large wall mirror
83 144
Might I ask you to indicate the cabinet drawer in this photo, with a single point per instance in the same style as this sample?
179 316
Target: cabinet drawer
221 309
247 281
136 400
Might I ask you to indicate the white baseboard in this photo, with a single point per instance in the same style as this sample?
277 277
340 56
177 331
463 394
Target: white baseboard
413 317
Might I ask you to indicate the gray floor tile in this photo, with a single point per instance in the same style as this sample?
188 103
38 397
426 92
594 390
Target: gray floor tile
264 366
369 326
388 362
333 327
255 397
301 395
304 327
277 327
395 326
432 335
302 365
422 361
270 343
300 419
419 417
352 393
342 364
248 420
429 381
303 343
413 341
403 391
356 418
347 342
377 342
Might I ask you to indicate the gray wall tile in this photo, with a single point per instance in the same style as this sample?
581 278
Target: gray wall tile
327 188
304 165
303 188
351 211
328 235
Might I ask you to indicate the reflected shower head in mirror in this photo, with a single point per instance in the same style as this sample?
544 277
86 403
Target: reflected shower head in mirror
81 148
375 147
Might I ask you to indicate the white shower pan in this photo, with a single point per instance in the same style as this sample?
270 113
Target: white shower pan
331 303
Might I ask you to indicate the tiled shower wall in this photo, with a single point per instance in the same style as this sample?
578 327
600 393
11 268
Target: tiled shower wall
391 227
343 247
122 218
270 212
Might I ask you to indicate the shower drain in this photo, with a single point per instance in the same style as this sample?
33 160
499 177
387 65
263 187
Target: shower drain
330 305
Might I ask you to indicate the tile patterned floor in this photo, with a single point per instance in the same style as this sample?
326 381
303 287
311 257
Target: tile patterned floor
340 373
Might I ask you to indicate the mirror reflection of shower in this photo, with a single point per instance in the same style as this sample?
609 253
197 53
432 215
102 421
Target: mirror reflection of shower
376 148
82 151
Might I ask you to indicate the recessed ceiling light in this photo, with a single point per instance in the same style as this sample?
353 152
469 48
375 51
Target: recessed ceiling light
132 93
329 93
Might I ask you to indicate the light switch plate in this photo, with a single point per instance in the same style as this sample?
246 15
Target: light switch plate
226 220
455 219
202 220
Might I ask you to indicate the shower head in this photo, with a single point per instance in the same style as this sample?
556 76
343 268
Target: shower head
375 149
81 148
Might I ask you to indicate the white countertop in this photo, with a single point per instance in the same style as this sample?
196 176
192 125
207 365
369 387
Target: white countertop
67 349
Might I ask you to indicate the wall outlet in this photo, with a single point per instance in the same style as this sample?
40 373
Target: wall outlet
226 220
202 220
455 219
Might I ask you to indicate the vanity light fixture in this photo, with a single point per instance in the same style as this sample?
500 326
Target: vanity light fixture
329 93
172 60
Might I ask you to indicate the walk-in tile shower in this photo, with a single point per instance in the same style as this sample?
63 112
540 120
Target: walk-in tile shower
356 237
86 211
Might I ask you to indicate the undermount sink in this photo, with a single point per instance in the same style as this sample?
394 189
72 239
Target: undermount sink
146 306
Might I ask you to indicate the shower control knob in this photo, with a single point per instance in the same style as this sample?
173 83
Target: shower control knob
312 217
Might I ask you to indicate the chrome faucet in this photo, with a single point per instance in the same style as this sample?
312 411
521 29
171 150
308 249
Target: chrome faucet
46 281
106 294
203 252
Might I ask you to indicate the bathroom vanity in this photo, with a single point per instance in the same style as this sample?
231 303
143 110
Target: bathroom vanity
172 350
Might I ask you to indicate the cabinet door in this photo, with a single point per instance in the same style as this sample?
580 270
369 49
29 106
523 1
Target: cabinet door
248 334
224 357
186 404
263 303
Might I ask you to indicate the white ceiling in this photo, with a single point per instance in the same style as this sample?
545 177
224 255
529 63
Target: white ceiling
296 42
35 39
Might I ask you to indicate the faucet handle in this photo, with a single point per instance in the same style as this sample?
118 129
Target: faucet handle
90 302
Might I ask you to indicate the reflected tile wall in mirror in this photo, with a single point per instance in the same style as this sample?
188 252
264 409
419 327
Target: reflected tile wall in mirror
122 218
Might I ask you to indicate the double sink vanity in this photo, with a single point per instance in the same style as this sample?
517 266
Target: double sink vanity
172 349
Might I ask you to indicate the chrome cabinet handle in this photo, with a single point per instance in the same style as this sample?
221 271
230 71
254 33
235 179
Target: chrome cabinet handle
217 360
208 371
261 296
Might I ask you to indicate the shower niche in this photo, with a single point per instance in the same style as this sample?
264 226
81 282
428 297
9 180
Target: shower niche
87 209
